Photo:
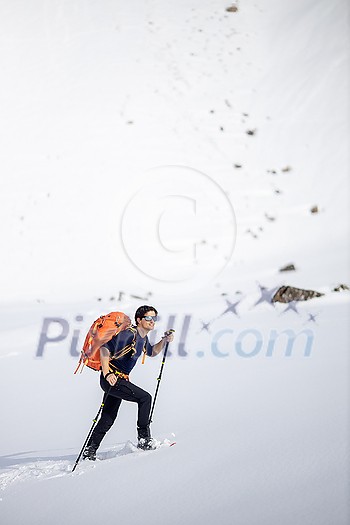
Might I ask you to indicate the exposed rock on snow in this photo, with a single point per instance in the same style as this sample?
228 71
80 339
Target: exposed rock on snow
232 9
340 287
288 268
287 294
314 209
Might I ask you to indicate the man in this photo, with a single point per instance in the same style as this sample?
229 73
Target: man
118 358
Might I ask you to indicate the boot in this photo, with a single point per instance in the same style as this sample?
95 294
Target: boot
90 452
145 442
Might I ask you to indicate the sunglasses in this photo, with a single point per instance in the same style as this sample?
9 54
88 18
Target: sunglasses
150 318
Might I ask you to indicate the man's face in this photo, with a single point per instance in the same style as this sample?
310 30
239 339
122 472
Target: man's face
148 320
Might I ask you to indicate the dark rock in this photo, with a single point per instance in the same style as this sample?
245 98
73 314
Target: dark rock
340 287
287 294
314 209
237 166
232 9
286 169
288 268
251 132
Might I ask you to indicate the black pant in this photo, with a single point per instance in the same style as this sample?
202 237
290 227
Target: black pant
122 390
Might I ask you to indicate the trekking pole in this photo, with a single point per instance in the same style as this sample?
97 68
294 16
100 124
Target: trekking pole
160 375
94 421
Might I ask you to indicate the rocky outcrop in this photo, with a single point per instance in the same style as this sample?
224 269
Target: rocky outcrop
232 9
287 294
288 268
340 287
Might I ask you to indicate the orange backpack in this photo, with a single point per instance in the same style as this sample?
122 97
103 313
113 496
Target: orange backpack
101 331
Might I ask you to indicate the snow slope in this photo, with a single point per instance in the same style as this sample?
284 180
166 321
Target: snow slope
208 136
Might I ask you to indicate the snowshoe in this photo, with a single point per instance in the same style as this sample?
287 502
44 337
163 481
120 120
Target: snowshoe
146 444
90 452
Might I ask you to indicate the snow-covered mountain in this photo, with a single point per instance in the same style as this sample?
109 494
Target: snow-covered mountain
177 155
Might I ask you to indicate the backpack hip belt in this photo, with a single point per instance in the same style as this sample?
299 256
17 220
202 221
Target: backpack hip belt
118 373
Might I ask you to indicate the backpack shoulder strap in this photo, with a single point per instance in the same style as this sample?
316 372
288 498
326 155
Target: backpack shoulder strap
131 346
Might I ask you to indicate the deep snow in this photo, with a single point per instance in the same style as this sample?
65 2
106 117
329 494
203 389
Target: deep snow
121 119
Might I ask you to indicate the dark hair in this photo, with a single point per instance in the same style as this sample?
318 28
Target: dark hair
141 311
